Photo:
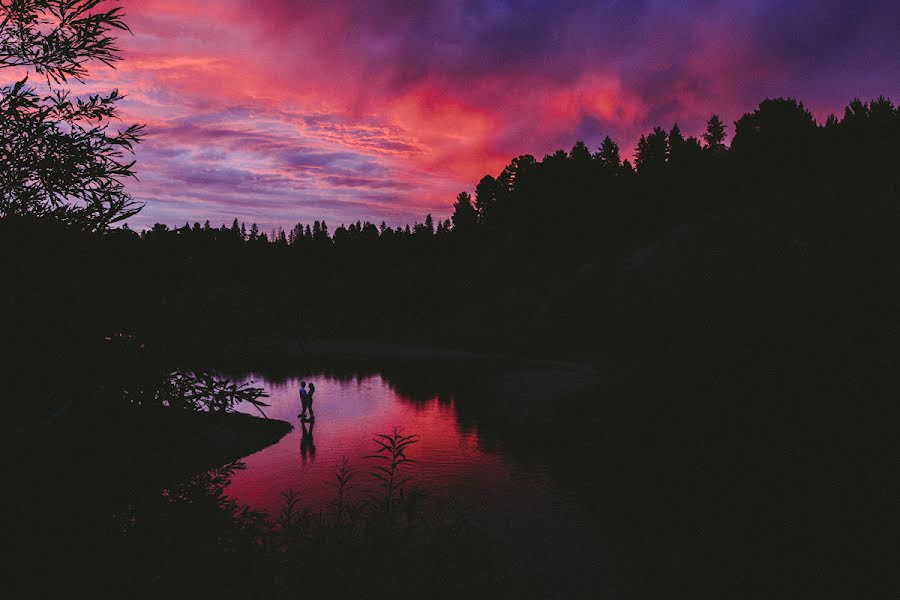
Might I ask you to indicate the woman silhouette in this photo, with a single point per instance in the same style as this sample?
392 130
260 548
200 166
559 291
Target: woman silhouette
309 400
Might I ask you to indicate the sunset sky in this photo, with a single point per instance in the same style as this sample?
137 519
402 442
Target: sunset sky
279 111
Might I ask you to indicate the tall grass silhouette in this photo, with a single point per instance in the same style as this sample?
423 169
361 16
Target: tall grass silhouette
391 457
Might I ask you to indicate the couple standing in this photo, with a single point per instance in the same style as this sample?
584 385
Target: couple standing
306 400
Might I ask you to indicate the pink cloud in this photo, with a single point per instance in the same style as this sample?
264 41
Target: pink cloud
360 109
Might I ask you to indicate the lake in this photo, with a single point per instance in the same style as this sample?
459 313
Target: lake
531 517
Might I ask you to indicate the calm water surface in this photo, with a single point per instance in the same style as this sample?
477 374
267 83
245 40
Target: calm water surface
450 459
536 527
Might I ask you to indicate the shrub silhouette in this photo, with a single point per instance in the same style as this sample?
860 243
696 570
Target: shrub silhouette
60 158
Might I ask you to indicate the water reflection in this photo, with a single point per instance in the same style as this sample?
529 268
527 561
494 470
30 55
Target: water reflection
480 446
450 459
307 445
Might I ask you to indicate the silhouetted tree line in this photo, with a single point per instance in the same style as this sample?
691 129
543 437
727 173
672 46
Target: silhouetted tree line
584 198
580 254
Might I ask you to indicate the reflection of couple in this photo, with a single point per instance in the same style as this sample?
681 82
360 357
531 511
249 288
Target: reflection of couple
307 446
306 400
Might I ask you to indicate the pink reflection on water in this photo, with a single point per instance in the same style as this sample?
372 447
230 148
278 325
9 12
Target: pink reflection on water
349 413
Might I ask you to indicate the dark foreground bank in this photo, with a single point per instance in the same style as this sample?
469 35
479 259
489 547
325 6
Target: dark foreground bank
76 478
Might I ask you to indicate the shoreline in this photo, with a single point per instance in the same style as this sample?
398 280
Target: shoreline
113 454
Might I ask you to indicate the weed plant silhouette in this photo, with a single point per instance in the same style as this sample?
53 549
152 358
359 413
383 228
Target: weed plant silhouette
389 473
